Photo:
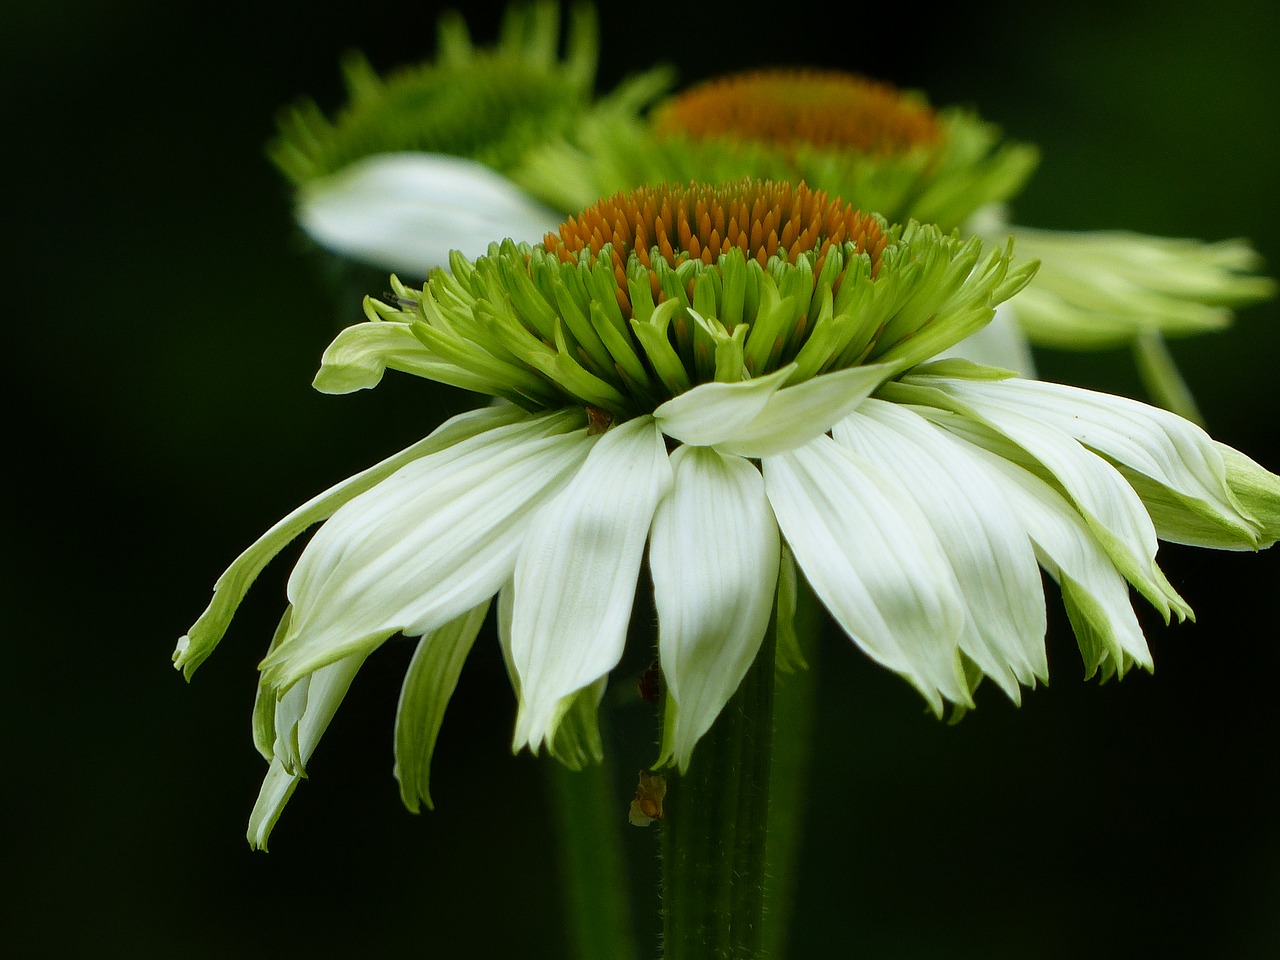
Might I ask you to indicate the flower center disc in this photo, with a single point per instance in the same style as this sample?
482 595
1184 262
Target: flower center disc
700 222
822 108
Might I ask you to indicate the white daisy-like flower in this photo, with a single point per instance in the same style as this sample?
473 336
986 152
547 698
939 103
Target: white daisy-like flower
735 382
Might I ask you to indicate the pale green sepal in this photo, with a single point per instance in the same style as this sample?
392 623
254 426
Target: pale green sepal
1257 490
713 412
869 555
427 544
231 587
795 415
962 368
576 571
264 699
428 685
790 656
277 788
406 211
363 352
576 741
713 554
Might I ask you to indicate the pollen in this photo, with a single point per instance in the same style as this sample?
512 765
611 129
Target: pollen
676 224
822 108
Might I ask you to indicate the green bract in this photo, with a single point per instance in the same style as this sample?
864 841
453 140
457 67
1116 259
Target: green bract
524 324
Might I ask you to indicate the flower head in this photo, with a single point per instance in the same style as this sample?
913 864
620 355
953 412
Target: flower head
420 161
888 150
732 379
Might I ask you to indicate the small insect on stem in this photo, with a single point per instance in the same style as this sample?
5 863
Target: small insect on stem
647 806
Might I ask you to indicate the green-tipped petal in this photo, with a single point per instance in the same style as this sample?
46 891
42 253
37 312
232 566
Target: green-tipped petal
427 544
1102 289
987 548
200 640
428 684
576 574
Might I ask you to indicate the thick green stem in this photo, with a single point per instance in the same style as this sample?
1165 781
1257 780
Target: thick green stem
789 775
597 905
715 830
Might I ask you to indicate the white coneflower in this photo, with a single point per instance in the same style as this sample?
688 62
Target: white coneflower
730 376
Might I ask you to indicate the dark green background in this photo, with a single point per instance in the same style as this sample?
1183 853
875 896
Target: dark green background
163 323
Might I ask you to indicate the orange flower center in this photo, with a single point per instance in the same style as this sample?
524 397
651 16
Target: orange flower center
824 108
700 222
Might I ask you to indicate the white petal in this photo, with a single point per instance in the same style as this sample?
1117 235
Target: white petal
302 715
405 211
576 741
428 684
1068 550
795 415
870 557
1103 497
1001 343
713 552
987 547
713 412
426 544
231 587
1177 457
575 578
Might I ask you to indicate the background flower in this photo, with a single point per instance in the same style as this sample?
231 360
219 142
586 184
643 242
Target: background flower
167 328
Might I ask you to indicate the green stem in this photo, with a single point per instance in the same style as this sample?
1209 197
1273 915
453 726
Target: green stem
1161 377
715 830
789 776
597 905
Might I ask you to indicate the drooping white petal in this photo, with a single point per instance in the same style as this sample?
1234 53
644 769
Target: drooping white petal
713 552
1001 343
1175 462
405 211
302 714
577 741
427 544
1104 498
869 555
712 412
988 548
795 415
1095 592
200 640
428 684
575 578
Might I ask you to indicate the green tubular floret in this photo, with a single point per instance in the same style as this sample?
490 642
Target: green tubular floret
550 331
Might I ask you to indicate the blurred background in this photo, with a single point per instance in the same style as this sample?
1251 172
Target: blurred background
167 320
